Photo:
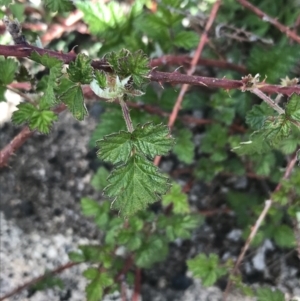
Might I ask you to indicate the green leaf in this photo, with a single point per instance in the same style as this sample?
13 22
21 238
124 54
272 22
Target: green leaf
135 185
135 65
89 207
177 198
100 77
24 113
292 108
258 115
59 5
42 121
91 273
266 294
99 180
149 139
73 97
206 268
76 257
9 68
115 148
154 250
284 236
186 39
257 145
152 140
49 98
5 2
111 121
184 147
81 70
47 282
272 65
276 130
94 291
45 60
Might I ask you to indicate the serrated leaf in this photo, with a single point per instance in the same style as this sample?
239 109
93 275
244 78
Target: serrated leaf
73 97
135 65
81 70
76 257
5 2
100 77
177 198
49 98
184 147
90 273
152 140
89 207
186 39
24 113
276 130
266 294
115 148
292 108
42 121
94 290
206 268
8 70
154 250
135 185
258 115
272 65
284 236
59 5
45 60
99 180
2 91
257 145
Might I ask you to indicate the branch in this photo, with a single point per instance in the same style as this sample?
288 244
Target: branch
22 51
186 60
38 279
267 18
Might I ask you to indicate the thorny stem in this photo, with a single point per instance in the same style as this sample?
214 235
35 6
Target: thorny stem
126 115
273 21
268 100
58 270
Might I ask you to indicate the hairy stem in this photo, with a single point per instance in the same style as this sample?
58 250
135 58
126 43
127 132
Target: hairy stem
126 115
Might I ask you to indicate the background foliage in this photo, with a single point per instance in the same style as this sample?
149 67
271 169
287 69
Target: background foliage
205 154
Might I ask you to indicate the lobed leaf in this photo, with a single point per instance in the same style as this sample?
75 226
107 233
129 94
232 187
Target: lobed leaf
184 147
266 294
45 60
9 68
135 184
59 5
177 198
292 108
115 148
72 96
42 121
206 268
258 115
81 70
152 140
